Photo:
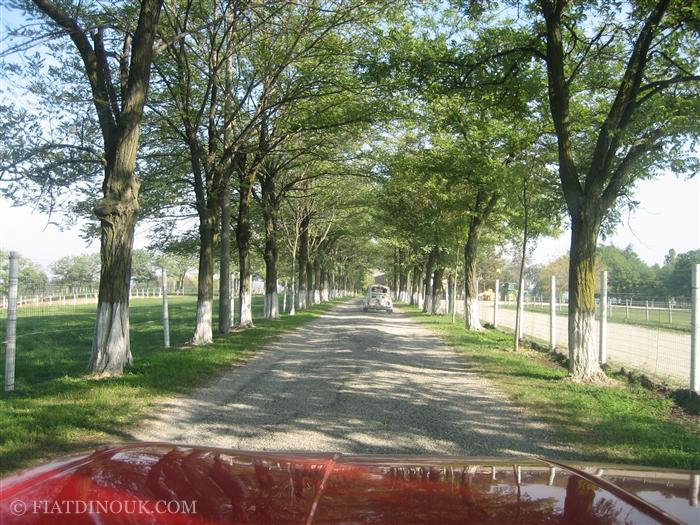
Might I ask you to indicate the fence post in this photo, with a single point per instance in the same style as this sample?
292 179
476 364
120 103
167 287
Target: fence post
627 309
496 298
670 312
166 317
553 314
11 330
695 331
646 310
284 301
236 288
233 301
522 309
603 342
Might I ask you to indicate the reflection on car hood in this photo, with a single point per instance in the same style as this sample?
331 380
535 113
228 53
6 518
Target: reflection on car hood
198 485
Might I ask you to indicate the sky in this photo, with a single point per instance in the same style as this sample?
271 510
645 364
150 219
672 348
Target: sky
668 217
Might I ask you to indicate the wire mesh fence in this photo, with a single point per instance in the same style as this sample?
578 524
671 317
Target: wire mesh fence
657 351
55 322
648 335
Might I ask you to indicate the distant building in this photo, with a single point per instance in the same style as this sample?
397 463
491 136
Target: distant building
380 278
487 295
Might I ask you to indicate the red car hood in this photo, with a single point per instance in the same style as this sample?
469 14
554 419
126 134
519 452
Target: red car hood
162 483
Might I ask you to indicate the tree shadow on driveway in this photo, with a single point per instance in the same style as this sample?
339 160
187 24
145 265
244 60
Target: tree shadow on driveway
357 383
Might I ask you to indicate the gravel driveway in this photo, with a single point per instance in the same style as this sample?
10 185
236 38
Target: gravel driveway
353 382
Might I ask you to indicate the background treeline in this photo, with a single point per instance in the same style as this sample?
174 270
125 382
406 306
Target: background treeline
629 277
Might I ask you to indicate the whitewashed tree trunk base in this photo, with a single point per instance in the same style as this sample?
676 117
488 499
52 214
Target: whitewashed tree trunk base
271 306
203 334
436 305
246 310
471 315
584 365
110 346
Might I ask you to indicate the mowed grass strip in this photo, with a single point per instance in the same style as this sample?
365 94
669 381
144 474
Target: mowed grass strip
625 423
57 409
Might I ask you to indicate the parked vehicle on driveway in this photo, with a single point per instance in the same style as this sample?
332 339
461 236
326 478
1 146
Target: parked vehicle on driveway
378 297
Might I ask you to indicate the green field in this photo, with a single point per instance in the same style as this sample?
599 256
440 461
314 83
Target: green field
658 317
622 423
56 409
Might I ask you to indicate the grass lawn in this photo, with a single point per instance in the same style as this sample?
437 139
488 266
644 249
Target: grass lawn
56 409
619 424
658 317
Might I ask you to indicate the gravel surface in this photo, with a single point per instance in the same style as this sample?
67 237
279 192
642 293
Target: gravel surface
353 382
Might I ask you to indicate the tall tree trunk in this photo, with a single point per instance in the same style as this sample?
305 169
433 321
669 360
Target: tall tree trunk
324 284
271 256
111 348
521 272
428 283
310 285
207 211
245 300
225 258
471 299
481 210
590 197
302 292
417 285
583 356
205 279
438 290
317 278
403 276
395 276
293 287
451 290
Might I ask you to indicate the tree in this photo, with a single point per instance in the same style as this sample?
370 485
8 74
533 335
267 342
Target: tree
622 93
559 268
76 271
142 268
118 106
679 281
628 274
204 106
634 120
537 215
31 278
